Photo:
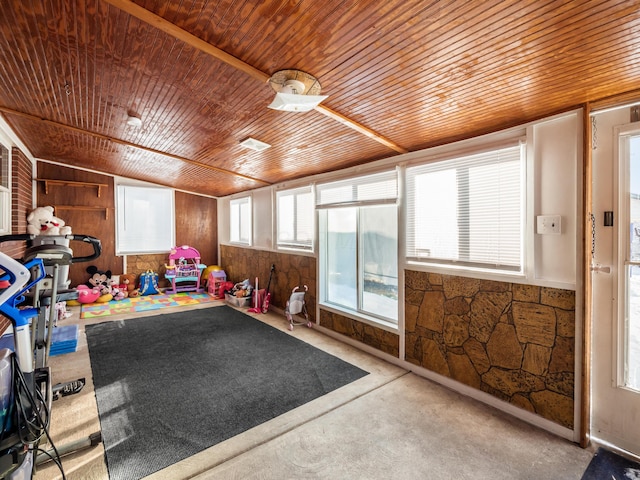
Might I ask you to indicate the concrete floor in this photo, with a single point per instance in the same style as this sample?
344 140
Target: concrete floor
391 424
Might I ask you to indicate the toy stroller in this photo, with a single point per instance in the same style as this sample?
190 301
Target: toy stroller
295 306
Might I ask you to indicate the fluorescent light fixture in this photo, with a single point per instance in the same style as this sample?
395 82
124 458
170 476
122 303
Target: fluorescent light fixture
254 144
293 102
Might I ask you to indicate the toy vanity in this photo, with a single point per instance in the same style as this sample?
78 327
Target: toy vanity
184 270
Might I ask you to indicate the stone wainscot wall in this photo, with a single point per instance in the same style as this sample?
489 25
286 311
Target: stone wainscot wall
377 338
513 341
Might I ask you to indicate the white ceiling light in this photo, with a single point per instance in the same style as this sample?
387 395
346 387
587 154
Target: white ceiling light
254 144
134 121
296 91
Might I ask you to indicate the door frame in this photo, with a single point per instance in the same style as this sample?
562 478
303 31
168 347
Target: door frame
610 438
587 316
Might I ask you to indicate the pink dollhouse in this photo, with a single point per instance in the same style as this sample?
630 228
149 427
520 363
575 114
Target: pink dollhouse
184 270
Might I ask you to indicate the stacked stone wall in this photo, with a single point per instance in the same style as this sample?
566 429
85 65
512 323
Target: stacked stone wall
513 341
137 264
362 332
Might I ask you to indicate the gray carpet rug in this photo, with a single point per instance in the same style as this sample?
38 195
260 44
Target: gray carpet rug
170 386
607 465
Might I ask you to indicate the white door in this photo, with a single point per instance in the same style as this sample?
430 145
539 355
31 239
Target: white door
615 367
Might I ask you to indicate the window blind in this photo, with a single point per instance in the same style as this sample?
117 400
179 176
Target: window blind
145 219
240 220
295 218
468 210
374 188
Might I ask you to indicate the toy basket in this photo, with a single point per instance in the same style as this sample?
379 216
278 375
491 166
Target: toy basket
241 302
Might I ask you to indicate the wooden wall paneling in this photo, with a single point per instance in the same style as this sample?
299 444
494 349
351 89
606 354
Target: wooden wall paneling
196 220
291 270
96 223
197 225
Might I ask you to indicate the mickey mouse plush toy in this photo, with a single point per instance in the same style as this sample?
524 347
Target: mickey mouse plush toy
102 281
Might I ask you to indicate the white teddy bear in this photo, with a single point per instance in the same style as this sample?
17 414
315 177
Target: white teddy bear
41 221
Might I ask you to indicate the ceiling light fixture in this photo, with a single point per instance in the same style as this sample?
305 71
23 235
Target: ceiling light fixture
134 121
296 91
254 144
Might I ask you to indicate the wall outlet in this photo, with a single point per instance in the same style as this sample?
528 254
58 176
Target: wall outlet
549 224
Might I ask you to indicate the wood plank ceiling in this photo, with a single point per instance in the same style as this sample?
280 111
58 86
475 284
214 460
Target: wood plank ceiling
401 75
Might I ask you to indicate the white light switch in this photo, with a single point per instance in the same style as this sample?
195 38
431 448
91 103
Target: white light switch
549 224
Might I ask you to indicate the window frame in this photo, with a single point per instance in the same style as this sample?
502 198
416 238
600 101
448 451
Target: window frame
625 260
122 210
240 240
295 244
454 162
353 200
5 190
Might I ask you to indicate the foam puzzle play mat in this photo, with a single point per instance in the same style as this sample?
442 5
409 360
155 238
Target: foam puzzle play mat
144 303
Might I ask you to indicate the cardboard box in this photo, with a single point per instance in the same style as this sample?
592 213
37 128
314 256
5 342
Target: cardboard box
238 302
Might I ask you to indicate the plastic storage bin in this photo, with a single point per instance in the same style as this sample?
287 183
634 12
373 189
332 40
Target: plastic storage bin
237 302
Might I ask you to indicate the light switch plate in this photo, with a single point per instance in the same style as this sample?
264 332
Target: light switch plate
549 224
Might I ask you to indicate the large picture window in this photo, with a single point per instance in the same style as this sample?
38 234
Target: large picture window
295 218
468 211
145 220
359 245
240 220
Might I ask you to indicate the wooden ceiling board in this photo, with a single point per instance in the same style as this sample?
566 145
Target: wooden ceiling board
479 83
460 63
60 144
399 94
253 31
411 74
298 149
452 55
365 39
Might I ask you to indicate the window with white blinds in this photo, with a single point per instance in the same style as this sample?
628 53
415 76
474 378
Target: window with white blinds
295 218
145 220
240 220
375 189
468 211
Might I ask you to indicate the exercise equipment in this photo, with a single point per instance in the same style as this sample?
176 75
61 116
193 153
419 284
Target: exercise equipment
26 390
56 256
25 411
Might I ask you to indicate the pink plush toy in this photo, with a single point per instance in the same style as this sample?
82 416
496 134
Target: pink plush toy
87 295
118 293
